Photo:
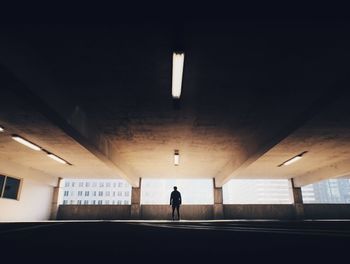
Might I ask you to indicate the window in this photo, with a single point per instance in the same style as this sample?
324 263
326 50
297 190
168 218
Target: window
113 194
120 184
9 187
120 193
66 193
86 201
66 184
80 193
108 184
73 184
100 193
94 184
99 201
79 202
119 202
72 193
94 193
126 202
126 193
65 201
106 202
108 193
327 191
87 193
87 184
71 201
81 184
257 192
101 184
193 191
114 184
93 202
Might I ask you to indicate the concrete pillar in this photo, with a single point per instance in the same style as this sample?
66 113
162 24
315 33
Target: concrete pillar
298 201
54 204
135 212
218 207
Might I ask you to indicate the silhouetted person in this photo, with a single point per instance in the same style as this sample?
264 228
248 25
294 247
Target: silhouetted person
175 202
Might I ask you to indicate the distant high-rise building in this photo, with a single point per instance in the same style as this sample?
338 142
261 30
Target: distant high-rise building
95 191
328 191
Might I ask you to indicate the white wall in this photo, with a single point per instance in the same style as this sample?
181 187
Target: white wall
35 198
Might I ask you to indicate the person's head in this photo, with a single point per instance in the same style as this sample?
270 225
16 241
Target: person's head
175 188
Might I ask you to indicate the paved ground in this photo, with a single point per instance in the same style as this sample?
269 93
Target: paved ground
176 242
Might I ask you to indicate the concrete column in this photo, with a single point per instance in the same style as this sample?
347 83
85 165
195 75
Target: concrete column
54 205
218 207
298 201
135 212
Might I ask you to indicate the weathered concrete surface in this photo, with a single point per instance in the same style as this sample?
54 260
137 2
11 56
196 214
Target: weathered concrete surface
218 202
187 212
326 211
203 212
55 202
261 211
93 212
135 202
298 201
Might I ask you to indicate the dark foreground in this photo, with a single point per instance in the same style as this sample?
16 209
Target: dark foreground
176 242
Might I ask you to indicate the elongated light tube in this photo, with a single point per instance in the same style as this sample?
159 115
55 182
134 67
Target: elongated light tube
176 158
26 143
2 129
56 158
178 66
295 159
292 160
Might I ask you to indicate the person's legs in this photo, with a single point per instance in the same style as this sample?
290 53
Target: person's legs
178 212
173 213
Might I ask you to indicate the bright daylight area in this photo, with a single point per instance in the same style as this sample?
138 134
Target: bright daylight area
193 191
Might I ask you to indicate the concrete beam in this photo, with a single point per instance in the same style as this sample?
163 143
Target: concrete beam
298 201
135 211
338 169
76 125
55 201
319 105
218 207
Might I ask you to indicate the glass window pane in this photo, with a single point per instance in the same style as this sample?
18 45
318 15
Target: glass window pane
257 192
2 181
11 188
193 191
328 191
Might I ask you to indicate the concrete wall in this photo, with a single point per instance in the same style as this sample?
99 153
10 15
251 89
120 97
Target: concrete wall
204 212
188 212
93 212
35 198
327 211
259 211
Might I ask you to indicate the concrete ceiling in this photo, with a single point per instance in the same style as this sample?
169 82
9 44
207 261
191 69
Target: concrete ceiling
254 95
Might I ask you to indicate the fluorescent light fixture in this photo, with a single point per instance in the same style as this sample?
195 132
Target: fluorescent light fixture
2 129
178 66
56 158
292 160
26 142
176 157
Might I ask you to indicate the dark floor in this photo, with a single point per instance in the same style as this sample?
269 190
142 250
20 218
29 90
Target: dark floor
176 242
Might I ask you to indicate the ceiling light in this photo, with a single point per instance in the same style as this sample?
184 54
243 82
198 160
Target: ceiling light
178 65
2 129
56 158
26 142
292 160
176 157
